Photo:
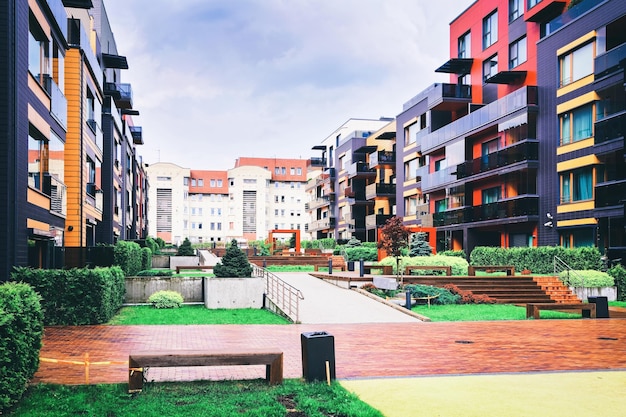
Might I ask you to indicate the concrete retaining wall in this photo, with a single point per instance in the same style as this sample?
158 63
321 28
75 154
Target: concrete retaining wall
233 292
160 261
584 293
138 289
184 261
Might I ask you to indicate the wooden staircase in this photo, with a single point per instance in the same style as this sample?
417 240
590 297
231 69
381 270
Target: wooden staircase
505 290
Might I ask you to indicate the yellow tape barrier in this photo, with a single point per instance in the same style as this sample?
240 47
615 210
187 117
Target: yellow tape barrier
86 363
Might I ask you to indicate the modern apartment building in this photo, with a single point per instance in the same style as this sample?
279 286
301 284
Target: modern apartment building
582 173
338 204
52 147
244 203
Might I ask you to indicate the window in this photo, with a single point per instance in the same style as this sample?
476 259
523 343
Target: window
212 183
292 171
577 185
298 171
200 182
91 178
533 3
491 195
490 67
517 52
490 29
283 171
277 171
186 181
464 46
576 64
38 52
410 170
410 205
441 164
515 9
219 183
193 182
441 205
35 162
577 124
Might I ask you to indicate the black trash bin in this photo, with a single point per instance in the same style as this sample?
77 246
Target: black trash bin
350 265
602 307
317 349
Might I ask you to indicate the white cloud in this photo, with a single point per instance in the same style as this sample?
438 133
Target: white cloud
219 79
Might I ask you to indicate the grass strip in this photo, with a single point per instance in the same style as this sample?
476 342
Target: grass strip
193 314
253 398
483 312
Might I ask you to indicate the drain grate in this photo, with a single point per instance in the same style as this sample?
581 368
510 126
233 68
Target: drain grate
464 342
607 338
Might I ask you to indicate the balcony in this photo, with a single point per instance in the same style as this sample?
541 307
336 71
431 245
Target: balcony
98 135
57 191
610 61
360 170
610 194
380 191
373 221
609 128
435 180
515 207
58 102
122 94
135 132
382 159
317 203
318 162
322 224
544 10
441 96
491 113
522 151
356 196
570 15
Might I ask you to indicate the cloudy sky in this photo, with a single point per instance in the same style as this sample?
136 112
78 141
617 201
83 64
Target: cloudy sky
218 79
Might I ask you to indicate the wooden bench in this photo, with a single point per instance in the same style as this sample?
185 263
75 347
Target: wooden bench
335 267
138 361
532 309
192 267
386 269
510 270
446 269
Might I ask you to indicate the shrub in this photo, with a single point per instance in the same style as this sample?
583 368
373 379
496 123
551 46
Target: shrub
468 297
459 265
372 289
362 252
76 296
353 242
127 255
443 295
185 249
153 245
234 263
459 253
21 331
419 245
328 243
166 299
618 273
155 273
589 278
146 258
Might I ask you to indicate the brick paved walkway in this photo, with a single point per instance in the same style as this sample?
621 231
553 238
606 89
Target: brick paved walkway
362 350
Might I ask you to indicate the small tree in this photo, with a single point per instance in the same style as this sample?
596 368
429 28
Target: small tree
353 242
234 263
419 245
394 238
185 249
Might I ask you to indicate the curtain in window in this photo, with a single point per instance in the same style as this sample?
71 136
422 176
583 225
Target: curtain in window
583 122
566 135
565 189
440 205
583 185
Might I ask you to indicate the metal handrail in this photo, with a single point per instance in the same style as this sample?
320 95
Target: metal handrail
559 266
284 296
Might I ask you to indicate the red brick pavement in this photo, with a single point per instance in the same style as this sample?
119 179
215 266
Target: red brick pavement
361 350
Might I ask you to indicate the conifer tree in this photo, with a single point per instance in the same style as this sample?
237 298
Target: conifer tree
234 263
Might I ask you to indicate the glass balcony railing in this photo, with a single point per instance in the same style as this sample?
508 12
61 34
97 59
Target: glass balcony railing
570 15
136 133
322 224
523 151
610 128
517 100
380 190
318 162
610 193
373 221
438 92
97 131
382 158
122 94
434 180
57 191
609 61
514 207
317 203
359 170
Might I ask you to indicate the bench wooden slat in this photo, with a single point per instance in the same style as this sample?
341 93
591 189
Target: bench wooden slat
137 361
533 309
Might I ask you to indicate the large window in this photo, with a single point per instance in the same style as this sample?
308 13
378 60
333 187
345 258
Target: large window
410 169
491 195
490 29
577 185
490 67
464 46
36 154
517 52
576 124
516 8
576 64
533 3
38 51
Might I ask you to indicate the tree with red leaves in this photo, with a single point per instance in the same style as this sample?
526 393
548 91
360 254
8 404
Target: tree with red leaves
394 238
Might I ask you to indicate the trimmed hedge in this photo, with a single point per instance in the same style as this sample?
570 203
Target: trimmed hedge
362 252
539 260
166 299
128 256
76 296
21 331
146 258
444 296
589 278
459 265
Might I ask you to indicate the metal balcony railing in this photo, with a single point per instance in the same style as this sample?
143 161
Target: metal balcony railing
515 207
523 151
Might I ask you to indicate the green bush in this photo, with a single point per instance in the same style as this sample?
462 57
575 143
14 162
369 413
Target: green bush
444 296
185 249
353 242
419 246
76 296
618 272
21 331
166 299
362 252
587 278
459 253
328 243
234 263
370 245
539 260
127 255
155 273
459 265
153 245
146 258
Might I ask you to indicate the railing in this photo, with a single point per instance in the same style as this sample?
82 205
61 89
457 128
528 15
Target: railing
570 15
285 297
385 190
610 128
382 158
374 220
317 202
610 193
524 205
318 161
359 169
524 151
609 61
559 266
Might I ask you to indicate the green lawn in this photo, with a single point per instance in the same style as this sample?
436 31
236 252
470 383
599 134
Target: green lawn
253 398
193 314
483 312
